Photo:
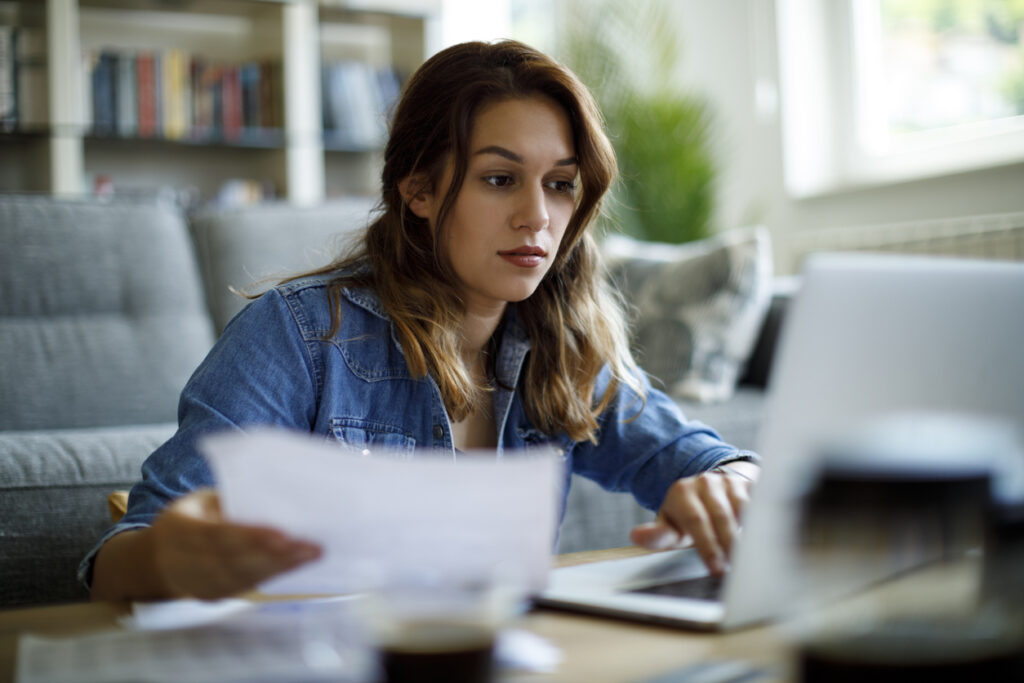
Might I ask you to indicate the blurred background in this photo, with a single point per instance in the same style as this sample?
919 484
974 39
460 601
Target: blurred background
850 123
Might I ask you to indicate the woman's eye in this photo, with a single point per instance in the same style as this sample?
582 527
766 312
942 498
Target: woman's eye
563 186
499 180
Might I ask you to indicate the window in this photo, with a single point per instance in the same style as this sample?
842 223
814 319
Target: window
879 91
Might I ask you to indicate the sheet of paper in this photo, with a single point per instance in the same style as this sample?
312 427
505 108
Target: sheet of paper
185 613
276 641
305 640
387 518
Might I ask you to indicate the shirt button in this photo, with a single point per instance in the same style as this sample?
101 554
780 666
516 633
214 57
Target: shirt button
438 432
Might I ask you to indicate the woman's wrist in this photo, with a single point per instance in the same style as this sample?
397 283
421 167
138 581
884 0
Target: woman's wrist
745 469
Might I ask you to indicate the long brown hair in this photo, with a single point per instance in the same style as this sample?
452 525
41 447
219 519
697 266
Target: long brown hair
572 319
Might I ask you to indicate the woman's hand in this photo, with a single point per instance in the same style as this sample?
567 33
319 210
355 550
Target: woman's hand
198 554
703 510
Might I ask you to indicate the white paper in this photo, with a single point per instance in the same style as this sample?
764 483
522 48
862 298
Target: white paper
275 641
171 614
307 640
389 518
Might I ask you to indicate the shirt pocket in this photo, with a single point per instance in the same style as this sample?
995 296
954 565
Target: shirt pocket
533 440
368 437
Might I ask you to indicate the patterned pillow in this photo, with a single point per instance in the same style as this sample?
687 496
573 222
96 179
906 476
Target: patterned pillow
697 308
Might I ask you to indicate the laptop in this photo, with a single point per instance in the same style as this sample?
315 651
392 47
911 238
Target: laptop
867 336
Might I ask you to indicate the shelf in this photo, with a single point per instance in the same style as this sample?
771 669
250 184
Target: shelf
255 139
63 151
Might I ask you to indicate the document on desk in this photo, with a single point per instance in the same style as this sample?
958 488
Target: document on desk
310 640
385 517
323 639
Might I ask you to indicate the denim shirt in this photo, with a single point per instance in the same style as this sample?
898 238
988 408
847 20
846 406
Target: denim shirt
273 366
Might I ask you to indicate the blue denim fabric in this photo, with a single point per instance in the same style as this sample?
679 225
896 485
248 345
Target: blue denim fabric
272 366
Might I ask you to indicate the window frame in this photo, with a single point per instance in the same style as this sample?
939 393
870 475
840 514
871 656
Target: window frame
827 131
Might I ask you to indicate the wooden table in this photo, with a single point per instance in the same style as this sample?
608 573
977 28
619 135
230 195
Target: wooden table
594 649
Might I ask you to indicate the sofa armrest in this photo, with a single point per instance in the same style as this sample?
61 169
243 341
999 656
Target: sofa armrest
53 491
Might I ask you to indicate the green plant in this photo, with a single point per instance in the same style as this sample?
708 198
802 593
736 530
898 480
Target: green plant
628 54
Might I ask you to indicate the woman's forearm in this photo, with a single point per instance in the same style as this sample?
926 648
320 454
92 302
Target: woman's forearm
125 569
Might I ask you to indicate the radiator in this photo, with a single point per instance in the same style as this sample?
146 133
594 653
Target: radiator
994 236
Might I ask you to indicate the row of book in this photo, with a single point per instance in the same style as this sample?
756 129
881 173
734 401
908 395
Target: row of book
357 98
23 90
173 95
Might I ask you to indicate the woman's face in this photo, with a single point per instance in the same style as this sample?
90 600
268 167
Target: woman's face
512 210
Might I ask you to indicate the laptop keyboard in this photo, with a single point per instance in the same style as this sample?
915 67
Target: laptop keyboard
701 588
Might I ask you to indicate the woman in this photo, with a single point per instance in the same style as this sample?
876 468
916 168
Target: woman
474 314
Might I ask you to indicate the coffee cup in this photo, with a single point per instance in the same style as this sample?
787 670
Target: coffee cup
436 631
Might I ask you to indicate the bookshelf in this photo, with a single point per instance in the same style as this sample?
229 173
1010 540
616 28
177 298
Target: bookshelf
285 96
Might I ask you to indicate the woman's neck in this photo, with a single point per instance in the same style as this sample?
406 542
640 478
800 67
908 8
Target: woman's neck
478 327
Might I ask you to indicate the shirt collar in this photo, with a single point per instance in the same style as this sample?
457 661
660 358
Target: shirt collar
513 346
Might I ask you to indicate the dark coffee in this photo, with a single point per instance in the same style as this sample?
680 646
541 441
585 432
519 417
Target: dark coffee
437 651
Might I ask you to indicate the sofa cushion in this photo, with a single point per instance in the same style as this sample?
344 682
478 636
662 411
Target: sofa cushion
250 249
101 313
53 493
697 307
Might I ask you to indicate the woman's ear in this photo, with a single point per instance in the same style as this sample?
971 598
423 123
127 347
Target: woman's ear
416 193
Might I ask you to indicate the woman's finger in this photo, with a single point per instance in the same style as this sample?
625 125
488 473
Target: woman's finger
684 511
711 490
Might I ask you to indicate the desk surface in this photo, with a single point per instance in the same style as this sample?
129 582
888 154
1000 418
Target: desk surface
594 649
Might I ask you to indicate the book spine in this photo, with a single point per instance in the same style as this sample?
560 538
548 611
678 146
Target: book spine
207 106
195 120
33 95
216 81
231 102
176 101
249 77
268 96
8 93
127 96
145 94
158 93
104 100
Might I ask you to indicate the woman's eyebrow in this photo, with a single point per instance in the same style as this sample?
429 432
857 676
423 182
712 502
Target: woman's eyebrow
512 156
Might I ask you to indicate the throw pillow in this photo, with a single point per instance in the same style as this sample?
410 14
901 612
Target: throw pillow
697 308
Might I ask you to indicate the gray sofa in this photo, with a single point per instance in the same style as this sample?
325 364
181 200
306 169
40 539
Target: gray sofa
105 310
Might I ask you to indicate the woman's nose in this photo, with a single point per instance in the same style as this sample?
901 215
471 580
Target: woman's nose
532 210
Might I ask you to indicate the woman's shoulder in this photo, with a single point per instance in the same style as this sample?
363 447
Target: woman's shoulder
312 300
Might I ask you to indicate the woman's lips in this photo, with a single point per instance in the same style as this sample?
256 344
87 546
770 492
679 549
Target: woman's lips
524 257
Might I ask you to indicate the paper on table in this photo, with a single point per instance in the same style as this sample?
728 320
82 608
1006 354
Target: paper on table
307 640
389 518
277 641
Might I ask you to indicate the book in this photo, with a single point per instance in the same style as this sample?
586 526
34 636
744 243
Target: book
199 122
231 102
8 93
127 95
207 96
356 97
146 94
104 92
176 94
158 93
249 82
270 100
31 82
